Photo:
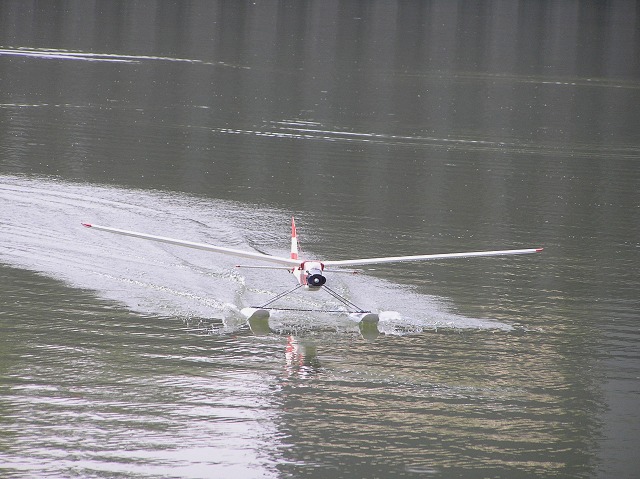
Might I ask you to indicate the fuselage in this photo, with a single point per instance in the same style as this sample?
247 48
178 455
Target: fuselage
309 274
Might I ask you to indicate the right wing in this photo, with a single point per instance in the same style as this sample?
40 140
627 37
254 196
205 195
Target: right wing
189 244
426 257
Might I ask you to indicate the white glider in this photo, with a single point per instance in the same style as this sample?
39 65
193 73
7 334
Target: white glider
309 273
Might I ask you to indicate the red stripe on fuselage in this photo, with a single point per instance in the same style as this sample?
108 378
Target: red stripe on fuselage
294 240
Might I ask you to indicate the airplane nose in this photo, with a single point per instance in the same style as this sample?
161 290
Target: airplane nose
316 280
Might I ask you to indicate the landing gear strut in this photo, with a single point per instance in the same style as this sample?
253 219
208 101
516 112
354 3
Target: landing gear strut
352 308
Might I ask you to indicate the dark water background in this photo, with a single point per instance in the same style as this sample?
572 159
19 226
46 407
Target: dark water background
386 128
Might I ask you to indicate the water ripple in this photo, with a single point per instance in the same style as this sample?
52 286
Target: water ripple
59 54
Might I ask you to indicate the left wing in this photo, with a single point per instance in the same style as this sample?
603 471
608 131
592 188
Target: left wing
189 244
427 257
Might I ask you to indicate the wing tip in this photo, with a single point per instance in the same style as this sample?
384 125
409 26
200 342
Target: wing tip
87 225
539 250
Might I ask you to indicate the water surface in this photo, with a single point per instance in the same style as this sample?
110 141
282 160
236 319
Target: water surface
386 128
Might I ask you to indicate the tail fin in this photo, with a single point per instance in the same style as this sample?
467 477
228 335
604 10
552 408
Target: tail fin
294 239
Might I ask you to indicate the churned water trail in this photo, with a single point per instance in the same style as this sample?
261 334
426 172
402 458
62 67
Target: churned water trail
42 232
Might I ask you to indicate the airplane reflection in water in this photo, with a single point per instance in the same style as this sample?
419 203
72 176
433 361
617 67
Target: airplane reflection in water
301 358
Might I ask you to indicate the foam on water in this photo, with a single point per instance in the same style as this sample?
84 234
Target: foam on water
41 231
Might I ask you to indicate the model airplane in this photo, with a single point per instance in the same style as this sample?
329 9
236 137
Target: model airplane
308 273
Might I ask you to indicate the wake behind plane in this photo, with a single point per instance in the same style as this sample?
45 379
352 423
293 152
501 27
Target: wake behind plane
309 274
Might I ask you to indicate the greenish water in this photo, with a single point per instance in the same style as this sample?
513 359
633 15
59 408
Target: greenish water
386 128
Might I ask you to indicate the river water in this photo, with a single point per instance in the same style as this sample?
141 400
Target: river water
385 128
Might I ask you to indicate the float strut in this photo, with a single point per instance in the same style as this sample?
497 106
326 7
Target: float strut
277 297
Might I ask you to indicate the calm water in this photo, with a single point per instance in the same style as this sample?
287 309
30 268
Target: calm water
386 129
